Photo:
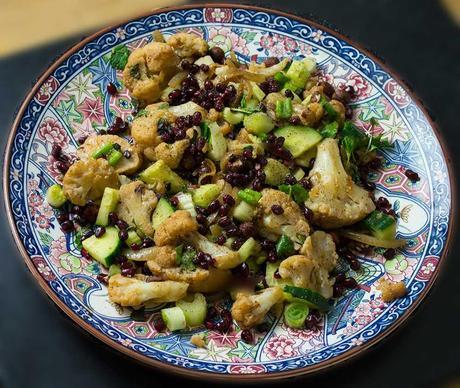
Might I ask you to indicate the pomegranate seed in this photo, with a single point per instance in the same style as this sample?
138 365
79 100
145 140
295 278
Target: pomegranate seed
112 89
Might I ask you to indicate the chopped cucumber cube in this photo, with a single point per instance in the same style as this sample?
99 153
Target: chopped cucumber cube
258 123
159 172
298 139
194 308
109 204
104 248
249 248
232 117
205 194
174 318
163 211
275 172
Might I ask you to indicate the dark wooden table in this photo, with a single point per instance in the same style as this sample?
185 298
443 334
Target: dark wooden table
40 347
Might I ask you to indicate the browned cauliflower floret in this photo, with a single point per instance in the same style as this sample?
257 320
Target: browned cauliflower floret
137 203
133 292
309 114
340 109
391 290
144 129
87 179
171 154
224 257
164 256
306 273
188 45
250 310
291 223
179 274
180 224
148 71
124 166
320 247
335 199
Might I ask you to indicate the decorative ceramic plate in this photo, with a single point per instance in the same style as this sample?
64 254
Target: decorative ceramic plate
70 100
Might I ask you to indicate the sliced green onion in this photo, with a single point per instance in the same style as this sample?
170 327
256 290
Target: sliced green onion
104 150
284 246
330 130
281 78
295 314
114 157
55 196
283 109
249 196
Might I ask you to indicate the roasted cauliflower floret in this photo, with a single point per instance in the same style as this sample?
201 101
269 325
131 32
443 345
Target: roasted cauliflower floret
133 292
87 179
306 273
178 274
391 290
171 154
291 223
224 257
188 45
148 71
320 247
124 166
250 310
335 199
137 203
309 114
144 129
180 224
164 256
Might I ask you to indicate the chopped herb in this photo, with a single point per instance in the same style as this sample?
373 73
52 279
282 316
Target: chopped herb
284 246
330 130
134 71
185 258
283 109
142 113
245 107
330 111
281 78
119 57
205 131
297 192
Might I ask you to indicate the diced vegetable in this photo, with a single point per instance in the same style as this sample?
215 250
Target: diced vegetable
381 225
330 111
314 299
373 241
159 172
298 74
104 150
162 211
174 318
119 57
275 172
109 204
55 196
194 308
206 60
295 314
270 278
114 157
217 143
281 78
249 248
189 108
250 196
184 258
205 194
114 269
228 243
283 108
330 129
257 91
284 246
186 203
297 192
243 212
104 248
232 117
305 159
298 139
298 173
133 238
258 123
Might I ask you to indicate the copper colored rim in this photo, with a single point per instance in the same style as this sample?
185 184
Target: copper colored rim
208 375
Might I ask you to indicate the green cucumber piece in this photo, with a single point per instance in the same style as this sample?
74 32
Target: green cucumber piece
55 196
298 139
205 194
217 143
258 123
249 248
284 246
275 172
305 159
381 225
104 248
232 117
159 172
114 269
109 204
174 318
298 74
314 299
162 211
243 212
298 173
133 238
194 308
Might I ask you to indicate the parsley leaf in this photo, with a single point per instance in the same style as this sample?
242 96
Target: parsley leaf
330 111
185 258
330 130
205 131
141 113
119 57
297 192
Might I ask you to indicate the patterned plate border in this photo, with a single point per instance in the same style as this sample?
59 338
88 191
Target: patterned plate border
379 74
